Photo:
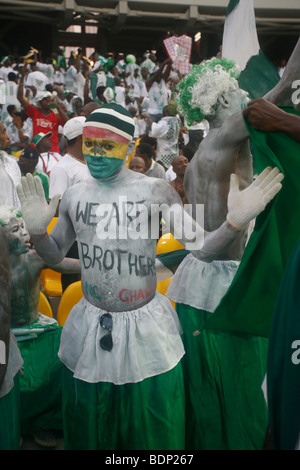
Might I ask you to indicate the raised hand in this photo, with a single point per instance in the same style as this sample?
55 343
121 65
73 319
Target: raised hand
243 206
37 213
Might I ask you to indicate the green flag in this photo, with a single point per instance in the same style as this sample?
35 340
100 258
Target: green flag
240 43
249 303
283 377
259 77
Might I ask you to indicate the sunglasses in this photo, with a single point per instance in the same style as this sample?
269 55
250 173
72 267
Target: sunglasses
106 341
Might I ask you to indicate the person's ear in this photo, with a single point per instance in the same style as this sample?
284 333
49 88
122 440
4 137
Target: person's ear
223 101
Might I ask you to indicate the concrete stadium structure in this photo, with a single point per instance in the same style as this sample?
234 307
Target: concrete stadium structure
132 25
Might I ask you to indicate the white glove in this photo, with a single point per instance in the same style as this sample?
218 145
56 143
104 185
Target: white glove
243 206
36 212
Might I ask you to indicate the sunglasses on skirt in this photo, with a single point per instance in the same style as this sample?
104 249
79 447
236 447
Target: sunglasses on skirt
106 342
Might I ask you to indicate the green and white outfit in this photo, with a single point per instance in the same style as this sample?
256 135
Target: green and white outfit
166 131
223 372
138 383
40 383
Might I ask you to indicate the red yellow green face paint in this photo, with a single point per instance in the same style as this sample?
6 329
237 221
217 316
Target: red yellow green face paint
104 151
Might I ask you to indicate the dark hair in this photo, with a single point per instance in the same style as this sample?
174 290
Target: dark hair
12 76
117 81
145 149
72 141
188 152
100 90
145 139
10 108
49 87
22 115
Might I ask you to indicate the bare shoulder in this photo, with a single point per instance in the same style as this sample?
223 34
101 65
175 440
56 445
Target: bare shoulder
163 192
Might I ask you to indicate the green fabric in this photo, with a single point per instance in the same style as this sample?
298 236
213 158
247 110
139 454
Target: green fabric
10 418
147 415
249 303
110 82
172 259
259 77
40 387
114 115
283 377
231 6
45 183
223 373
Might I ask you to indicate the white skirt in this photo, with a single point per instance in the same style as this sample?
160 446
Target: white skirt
146 342
201 285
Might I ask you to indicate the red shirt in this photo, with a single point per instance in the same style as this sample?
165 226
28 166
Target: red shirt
45 123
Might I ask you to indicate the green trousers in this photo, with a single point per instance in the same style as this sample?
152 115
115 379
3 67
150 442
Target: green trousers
147 415
40 386
223 374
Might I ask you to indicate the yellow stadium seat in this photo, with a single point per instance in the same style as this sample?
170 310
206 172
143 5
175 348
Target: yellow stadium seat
44 306
162 288
51 281
70 297
168 243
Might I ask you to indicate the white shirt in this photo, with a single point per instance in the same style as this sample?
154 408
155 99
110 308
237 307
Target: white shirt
47 162
47 69
4 71
67 173
13 131
158 97
11 89
70 79
166 131
170 175
120 95
38 80
10 177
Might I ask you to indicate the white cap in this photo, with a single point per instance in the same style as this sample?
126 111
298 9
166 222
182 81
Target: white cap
73 128
43 94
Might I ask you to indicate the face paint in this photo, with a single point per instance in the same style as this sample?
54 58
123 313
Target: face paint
18 237
104 152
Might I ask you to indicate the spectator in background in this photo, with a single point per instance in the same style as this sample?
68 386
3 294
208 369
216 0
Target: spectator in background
10 175
137 164
88 108
44 118
180 164
120 92
157 89
11 88
166 131
36 80
19 132
187 152
7 116
154 169
47 159
27 162
6 63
